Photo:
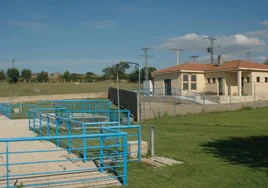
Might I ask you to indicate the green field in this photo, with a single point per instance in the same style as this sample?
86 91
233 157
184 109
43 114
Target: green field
21 89
219 150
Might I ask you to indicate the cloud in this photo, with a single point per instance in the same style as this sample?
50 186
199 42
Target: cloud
228 44
258 33
102 24
30 25
265 23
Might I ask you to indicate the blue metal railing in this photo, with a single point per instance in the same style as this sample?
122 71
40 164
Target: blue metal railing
102 115
6 109
116 162
48 124
14 111
84 105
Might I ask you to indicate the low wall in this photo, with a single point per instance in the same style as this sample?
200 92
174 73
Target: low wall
211 89
235 99
53 97
165 99
160 110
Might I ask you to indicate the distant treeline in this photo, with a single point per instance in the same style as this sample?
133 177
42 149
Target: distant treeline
14 75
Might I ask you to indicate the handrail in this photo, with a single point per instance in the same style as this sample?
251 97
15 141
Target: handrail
38 138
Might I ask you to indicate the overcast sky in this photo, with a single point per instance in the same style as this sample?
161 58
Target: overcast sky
82 36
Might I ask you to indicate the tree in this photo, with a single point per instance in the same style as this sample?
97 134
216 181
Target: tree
67 75
111 72
13 75
42 76
2 75
90 74
26 74
134 75
265 61
150 70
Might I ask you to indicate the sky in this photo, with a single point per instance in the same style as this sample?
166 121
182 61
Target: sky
82 36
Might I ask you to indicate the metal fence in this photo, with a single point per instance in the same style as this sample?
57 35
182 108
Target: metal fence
128 100
84 105
45 177
51 125
15 111
164 102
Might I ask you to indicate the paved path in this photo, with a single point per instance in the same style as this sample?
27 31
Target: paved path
19 128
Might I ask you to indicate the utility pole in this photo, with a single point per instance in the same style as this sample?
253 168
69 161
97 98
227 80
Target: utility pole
146 56
13 63
194 57
248 53
177 50
211 48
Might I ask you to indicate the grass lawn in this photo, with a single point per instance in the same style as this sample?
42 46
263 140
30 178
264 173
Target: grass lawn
219 150
21 89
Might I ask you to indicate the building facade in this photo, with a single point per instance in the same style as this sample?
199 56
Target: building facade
237 78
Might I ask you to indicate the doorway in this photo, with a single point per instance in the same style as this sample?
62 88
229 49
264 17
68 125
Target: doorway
167 86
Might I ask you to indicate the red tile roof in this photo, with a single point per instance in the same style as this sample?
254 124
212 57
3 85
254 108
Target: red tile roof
190 66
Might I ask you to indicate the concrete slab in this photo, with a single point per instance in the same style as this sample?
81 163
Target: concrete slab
160 161
19 128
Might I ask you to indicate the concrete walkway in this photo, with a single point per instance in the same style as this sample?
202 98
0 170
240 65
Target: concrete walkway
19 128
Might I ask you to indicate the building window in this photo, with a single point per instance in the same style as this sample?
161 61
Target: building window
193 78
214 80
248 79
193 86
185 86
266 79
185 77
208 80
258 79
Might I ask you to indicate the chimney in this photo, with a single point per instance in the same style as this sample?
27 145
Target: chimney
219 61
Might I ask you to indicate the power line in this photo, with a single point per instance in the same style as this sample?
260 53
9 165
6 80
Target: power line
248 53
177 50
194 57
146 56
211 48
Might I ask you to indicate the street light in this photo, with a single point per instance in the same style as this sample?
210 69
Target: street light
137 65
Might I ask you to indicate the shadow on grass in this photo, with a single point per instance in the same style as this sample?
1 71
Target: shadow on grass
249 151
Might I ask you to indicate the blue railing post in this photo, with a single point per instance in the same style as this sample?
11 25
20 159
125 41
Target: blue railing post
7 165
10 111
83 108
48 126
125 168
57 131
128 117
101 153
84 144
68 112
69 140
139 144
40 125
34 116
29 120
